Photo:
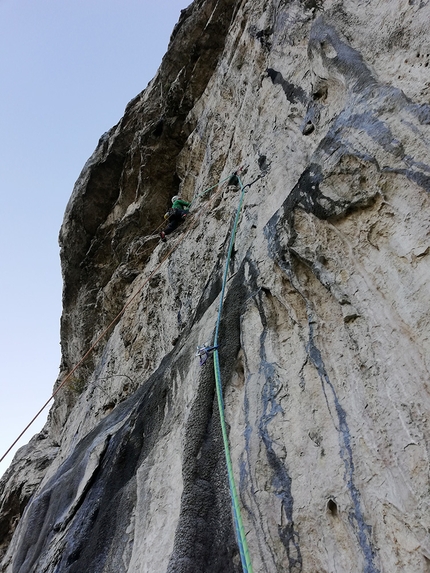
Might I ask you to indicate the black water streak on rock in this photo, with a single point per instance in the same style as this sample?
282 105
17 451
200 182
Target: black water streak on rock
347 61
293 93
306 195
279 253
205 540
422 112
247 472
247 481
365 90
355 517
96 526
281 480
418 178
382 135
377 130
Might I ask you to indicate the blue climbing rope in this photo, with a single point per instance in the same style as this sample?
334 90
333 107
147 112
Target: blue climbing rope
240 532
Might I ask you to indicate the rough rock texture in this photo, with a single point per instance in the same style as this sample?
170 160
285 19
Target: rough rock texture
324 343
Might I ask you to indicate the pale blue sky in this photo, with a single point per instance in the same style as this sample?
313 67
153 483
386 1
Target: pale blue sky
68 68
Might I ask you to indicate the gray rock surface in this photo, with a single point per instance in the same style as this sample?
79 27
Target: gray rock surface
324 340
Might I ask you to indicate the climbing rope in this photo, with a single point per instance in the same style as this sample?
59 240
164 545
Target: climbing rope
110 325
240 532
203 193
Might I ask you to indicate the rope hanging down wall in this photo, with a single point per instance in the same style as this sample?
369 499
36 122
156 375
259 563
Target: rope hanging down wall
240 532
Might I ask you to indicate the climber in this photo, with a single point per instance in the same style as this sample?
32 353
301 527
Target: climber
175 215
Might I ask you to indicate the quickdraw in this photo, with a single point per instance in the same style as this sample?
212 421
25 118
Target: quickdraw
203 352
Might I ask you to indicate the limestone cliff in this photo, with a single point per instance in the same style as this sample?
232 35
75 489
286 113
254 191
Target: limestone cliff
324 339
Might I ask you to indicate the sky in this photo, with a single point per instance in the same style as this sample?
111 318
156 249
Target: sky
68 68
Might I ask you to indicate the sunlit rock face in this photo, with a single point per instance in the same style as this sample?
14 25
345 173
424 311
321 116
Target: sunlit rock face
324 337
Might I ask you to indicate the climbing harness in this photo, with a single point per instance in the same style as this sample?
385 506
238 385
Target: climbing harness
203 352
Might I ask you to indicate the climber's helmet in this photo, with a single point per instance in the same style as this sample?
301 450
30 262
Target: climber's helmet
175 198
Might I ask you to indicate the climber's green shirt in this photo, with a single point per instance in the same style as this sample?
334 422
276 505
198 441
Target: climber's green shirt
181 204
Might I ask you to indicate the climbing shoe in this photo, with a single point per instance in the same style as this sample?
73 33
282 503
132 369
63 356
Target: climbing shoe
163 236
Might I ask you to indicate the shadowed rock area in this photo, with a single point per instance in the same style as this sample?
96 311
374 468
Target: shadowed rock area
324 336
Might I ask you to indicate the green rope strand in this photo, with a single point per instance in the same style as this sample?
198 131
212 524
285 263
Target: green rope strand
210 188
240 532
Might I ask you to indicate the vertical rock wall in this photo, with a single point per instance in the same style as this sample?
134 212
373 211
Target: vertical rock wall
324 339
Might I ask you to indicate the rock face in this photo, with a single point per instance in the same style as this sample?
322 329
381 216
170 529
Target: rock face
324 337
